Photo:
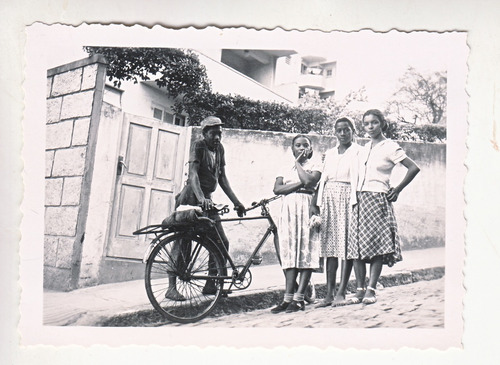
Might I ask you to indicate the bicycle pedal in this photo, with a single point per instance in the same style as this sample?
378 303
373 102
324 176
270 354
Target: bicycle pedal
257 260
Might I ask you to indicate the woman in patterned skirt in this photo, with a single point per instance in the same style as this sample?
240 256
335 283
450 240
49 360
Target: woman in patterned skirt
333 198
373 235
298 245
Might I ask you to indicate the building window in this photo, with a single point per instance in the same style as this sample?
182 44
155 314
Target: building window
180 120
288 59
157 113
329 72
160 113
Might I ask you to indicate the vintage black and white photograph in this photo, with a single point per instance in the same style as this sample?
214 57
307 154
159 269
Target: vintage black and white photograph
237 179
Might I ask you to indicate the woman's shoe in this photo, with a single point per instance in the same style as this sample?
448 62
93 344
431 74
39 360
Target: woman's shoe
310 294
358 297
323 303
280 307
370 297
296 306
339 301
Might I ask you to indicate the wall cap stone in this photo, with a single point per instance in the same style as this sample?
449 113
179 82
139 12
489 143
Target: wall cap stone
76 64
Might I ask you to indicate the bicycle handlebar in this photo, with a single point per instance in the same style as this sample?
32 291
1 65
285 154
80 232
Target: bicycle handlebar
262 202
223 209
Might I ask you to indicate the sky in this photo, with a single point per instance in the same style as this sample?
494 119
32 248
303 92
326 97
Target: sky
377 60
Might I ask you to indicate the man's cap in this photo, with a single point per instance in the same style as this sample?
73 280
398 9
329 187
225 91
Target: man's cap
210 122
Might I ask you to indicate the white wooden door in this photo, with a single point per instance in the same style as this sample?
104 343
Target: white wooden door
148 177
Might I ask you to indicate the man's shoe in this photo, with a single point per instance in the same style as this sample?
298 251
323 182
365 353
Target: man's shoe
280 307
296 306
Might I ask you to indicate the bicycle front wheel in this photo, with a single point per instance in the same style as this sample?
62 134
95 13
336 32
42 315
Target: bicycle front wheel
184 278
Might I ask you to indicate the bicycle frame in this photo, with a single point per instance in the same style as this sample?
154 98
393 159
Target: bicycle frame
272 228
161 232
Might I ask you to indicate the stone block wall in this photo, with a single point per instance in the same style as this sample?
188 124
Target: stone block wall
74 99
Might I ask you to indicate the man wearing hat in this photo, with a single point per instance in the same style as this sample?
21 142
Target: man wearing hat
206 171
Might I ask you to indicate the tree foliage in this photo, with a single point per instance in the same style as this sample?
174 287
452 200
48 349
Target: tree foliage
178 71
420 98
335 109
240 112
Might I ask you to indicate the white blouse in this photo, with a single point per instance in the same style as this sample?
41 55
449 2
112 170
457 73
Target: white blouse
337 167
375 165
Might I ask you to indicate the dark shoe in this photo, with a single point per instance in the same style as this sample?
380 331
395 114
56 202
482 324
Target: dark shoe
280 307
209 288
296 306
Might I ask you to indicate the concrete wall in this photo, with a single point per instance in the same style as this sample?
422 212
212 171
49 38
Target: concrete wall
253 159
74 95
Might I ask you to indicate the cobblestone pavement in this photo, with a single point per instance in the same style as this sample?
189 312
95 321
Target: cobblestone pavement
417 305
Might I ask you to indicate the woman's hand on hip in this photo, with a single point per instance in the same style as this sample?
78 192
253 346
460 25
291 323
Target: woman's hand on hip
392 195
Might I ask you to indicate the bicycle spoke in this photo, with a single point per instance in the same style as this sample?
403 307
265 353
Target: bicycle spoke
192 265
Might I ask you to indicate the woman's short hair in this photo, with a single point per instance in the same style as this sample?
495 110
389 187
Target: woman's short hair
303 136
377 113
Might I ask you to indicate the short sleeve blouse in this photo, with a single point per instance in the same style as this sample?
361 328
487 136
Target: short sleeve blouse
375 164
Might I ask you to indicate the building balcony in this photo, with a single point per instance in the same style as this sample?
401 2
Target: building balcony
311 81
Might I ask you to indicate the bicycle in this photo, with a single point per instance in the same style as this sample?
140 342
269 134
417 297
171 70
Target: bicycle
188 252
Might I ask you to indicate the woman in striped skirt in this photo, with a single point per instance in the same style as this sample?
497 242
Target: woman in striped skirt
373 235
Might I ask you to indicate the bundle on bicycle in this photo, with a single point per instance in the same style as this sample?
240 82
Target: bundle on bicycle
187 269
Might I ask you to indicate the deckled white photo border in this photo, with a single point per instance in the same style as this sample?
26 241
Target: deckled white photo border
43 38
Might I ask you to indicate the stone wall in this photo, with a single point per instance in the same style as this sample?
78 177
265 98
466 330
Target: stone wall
74 98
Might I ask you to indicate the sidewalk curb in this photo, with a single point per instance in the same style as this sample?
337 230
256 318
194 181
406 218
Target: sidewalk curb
266 298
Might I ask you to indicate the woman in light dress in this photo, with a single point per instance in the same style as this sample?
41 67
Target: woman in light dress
299 245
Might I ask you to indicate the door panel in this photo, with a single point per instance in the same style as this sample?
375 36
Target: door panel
138 149
153 154
130 208
158 203
165 161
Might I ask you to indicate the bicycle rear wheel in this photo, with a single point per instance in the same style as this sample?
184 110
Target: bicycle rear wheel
184 278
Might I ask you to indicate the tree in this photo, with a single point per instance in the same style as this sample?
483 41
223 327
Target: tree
420 98
335 109
178 71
